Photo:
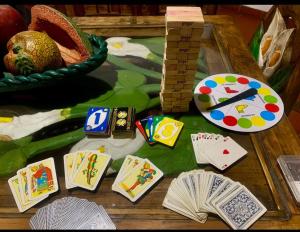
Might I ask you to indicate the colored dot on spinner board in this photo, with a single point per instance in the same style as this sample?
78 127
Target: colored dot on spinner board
244 123
219 80
270 99
254 84
217 114
272 108
203 98
230 121
264 91
230 78
205 90
243 80
267 115
258 121
210 83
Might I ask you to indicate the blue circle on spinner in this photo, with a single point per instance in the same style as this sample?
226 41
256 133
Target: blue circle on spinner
267 115
217 114
254 84
210 83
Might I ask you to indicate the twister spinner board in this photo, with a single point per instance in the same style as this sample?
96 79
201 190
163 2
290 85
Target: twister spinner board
255 113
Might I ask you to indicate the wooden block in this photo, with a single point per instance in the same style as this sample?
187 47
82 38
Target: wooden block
183 44
181 50
186 32
188 86
172 44
195 44
192 56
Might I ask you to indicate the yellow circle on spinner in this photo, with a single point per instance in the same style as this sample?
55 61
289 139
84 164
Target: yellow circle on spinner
168 130
219 80
258 121
264 91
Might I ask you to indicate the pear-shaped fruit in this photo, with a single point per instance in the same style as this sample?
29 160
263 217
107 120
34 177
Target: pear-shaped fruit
31 52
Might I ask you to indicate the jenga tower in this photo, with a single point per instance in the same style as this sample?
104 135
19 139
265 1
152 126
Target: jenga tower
184 27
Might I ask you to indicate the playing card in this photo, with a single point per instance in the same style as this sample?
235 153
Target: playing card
141 129
68 168
91 170
240 209
122 124
139 180
77 161
98 121
168 131
15 189
224 153
42 179
129 163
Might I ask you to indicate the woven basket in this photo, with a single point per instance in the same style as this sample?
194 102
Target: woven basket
14 83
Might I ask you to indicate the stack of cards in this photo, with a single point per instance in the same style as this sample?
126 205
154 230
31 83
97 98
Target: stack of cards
71 213
198 192
160 128
98 122
122 124
85 168
135 177
33 183
216 149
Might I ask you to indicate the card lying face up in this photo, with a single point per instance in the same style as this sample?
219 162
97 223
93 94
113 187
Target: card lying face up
138 176
91 170
98 121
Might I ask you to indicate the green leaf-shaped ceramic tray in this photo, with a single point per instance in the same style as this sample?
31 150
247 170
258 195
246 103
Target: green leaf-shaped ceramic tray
14 83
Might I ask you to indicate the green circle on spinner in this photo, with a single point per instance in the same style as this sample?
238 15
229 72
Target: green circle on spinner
204 98
249 107
270 99
244 123
230 79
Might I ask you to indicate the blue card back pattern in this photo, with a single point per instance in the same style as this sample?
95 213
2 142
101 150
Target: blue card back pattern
97 120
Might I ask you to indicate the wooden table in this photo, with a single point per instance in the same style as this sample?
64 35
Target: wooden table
264 148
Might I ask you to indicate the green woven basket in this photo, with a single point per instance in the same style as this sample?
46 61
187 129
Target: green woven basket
14 83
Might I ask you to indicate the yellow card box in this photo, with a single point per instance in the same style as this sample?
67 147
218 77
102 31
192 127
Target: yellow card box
168 131
139 180
91 170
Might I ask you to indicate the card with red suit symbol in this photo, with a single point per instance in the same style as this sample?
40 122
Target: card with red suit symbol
224 153
216 149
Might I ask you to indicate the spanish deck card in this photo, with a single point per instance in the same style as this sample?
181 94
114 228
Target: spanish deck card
123 125
98 121
41 178
91 170
15 188
136 177
196 193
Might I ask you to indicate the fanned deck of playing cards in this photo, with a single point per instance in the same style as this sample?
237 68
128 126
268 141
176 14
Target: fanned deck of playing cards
196 193
33 183
216 149
135 177
85 168
160 128
71 213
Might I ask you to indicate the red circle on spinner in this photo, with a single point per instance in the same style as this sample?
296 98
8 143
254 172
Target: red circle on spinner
230 121
272 107
205 90
243 80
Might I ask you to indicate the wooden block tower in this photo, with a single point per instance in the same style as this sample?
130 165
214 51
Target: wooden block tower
184 27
